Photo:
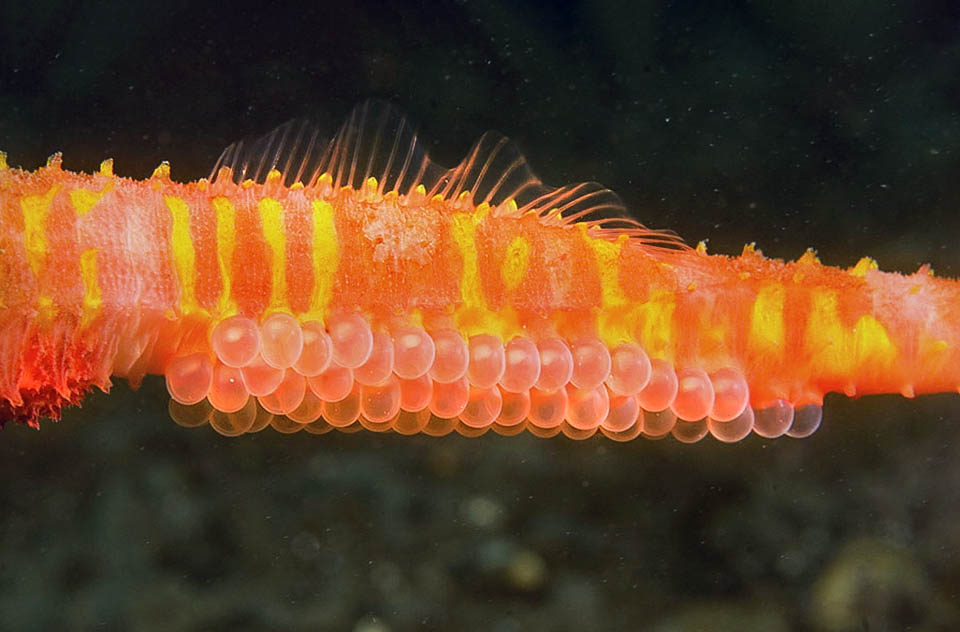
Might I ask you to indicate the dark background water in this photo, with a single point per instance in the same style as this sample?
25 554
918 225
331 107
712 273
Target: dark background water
833 126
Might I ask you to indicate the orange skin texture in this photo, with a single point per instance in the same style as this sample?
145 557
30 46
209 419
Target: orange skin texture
399 260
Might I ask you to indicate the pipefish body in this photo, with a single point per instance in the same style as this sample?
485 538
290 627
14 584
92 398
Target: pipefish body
312 284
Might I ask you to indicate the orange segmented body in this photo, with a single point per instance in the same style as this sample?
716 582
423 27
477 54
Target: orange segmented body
353 283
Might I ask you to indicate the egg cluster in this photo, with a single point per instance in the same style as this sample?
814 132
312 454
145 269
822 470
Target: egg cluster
344 374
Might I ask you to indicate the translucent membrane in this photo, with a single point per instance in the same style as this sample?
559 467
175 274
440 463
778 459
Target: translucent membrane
483 407
413 352
281 340
623 415
379 366
806 421
689 431
262 419
556 364
514 407
128 355
309 410
547 408
733 430
629 369
235 423
521 365
317 350
227 391
189 378
287 396
408 423
415 394
236 340
449 399
260 378
587 408
694 398
731 394
774 420
190 415
351 339
285 425
344 412
450 363
380 403
487 362
591 363
658 424
333 384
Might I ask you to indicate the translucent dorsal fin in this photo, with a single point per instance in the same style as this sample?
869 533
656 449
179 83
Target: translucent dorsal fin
377 141
493 172
294 149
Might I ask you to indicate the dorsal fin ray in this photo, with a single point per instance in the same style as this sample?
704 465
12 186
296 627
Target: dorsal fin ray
493 172
377 141
293 148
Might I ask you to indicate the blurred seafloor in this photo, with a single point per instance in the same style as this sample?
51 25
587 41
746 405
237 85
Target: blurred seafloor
792 126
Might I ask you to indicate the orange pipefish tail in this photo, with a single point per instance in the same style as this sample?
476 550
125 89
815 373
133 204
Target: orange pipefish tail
349 282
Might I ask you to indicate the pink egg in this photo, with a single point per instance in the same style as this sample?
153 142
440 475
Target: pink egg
227 393
380 403
487 362
661 389
451 356
556 364
281 340
629 369
483 407
236 340
413 352
521 365
694 399
189 378
351 339
317 350
591 363
731 394
587 408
